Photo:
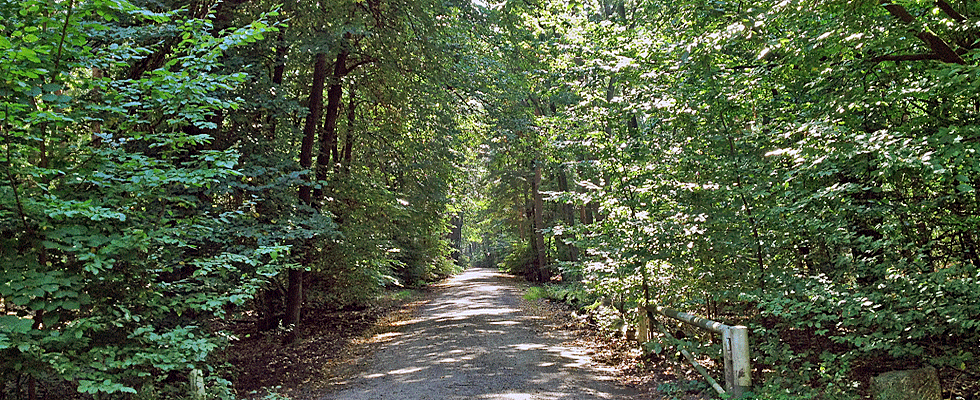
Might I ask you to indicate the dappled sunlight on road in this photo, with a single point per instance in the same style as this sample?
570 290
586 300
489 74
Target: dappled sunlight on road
473 341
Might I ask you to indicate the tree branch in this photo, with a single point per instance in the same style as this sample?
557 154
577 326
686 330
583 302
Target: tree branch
898 11
937 44
750 66
905 57
948 9
354 66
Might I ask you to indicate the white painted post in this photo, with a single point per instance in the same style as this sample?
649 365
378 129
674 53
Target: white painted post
735 348
197 384
738 365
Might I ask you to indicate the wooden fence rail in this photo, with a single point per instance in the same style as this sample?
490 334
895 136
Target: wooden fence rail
735 347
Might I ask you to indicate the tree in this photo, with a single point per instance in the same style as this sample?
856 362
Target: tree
816 176
110 261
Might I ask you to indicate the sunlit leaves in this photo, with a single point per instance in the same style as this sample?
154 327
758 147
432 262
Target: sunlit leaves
772 149
103 188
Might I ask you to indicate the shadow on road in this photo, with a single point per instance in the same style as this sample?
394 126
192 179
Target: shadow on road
473 341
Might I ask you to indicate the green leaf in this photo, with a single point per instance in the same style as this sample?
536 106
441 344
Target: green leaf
28 54
50 319
15 324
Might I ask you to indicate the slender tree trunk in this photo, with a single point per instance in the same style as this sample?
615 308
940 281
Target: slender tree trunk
294 303
272 298
538 235
96 125
525 216
610 95
349 138
312 121
294 292
568 215
585 211
277 73
456 236
585 214
328 153
271 304
759 256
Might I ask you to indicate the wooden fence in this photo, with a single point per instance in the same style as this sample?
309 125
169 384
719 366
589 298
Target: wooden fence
735 347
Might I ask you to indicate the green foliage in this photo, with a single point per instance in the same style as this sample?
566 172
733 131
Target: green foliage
519 259
536 293
110 262
812 170
680 389
272 394
573 294
809 169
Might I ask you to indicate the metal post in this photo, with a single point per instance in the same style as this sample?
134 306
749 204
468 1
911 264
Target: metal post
738 367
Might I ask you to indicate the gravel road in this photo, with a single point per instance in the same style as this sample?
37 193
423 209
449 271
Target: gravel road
474 341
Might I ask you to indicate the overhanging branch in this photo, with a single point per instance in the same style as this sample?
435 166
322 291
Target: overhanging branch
948 9
939 46
905 57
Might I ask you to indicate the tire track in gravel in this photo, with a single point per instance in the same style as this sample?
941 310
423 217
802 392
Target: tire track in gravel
473 341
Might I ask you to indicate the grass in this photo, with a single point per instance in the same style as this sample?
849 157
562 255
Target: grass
535 293
574 295
404 294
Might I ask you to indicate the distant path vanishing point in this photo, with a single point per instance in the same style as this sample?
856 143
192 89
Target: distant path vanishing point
473 341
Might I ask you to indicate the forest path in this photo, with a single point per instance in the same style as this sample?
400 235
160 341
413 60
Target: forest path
473 341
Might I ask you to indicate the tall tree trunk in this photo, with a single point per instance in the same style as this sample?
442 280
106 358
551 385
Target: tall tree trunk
32 388
456 236
277 73
328 153
537 234
585 214
753 223
610 95
294 292
568 216
349 138
294 303
312 121
525 216
272 297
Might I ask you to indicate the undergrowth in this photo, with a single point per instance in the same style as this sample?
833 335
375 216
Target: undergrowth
573 294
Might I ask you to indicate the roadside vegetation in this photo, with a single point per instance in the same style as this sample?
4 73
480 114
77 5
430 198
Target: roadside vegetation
173 171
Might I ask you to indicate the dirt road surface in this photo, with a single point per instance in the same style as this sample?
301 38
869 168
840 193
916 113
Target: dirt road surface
473 341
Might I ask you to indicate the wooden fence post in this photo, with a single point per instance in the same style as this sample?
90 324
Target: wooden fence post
197 384
738 368
735 349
